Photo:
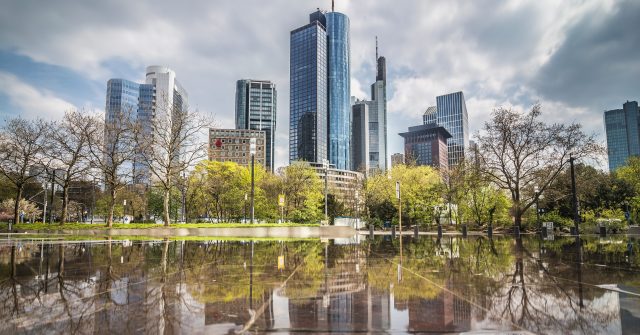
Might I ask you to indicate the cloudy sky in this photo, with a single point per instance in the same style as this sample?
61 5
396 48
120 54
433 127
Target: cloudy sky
577 58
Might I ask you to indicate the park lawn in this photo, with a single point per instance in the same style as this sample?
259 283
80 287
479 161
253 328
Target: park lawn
101 226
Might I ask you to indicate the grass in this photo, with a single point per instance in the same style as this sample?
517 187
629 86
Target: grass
101 226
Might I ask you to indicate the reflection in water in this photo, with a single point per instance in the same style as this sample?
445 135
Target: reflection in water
452 284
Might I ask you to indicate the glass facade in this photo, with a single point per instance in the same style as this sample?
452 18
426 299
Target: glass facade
256 102
427 145
623 135
308 91
452 115
339 90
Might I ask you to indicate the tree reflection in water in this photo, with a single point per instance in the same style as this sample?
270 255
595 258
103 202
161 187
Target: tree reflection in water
450 285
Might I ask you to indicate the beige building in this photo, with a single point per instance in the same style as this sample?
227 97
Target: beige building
233 145
346 184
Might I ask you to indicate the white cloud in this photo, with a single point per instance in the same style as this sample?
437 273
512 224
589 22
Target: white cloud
33 103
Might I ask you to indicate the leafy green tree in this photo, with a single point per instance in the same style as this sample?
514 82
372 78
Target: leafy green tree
630 173
421 189
303 192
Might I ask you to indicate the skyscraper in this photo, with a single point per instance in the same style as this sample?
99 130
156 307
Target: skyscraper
308 91
376 134
256 102
623 134
320 109
451 113
360 138
158 97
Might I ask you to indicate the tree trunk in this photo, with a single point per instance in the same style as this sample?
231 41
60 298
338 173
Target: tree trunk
165 211
16 206
517 216
65 203
112 205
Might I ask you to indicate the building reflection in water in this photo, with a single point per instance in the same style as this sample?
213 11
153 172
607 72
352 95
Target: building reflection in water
453 285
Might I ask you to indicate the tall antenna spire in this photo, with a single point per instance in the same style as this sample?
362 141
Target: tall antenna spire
376 48
333 5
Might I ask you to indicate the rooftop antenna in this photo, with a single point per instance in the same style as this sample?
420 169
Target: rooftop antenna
333 5
376 48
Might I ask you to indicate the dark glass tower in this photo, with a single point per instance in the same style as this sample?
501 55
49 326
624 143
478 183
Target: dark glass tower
320 108
308 96
256 102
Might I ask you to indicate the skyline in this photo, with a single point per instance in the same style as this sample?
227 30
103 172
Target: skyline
571 57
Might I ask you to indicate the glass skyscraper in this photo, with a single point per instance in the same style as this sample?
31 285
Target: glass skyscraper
376 132
319 106
308 96
623 134
256 102
451 113
339 77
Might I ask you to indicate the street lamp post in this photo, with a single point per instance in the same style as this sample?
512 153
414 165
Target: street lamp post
576 215
398 196
244 219
325 166
53 192
252 151
536 192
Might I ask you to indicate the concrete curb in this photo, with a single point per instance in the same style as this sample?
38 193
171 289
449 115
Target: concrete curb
269 232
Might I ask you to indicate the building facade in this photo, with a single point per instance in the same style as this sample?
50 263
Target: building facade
256 108
233 145
450 112
319 104
622 127
157 98
427 145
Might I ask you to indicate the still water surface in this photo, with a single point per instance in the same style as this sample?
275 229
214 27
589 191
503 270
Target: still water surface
451 285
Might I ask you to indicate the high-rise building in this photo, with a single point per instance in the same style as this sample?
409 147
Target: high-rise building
427 145
450 112
360 138
158 97
319 106
623 134
256 102
234 145
376 136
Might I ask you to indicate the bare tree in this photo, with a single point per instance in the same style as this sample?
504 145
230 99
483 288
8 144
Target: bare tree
112 145
23 144
517 152
71 150
169 144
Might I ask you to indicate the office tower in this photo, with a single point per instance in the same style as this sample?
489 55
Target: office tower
623 134
397 159
427 145
158 97
339 83
256 103
233 145
308 91
376 136
320 108
451 113
360 137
